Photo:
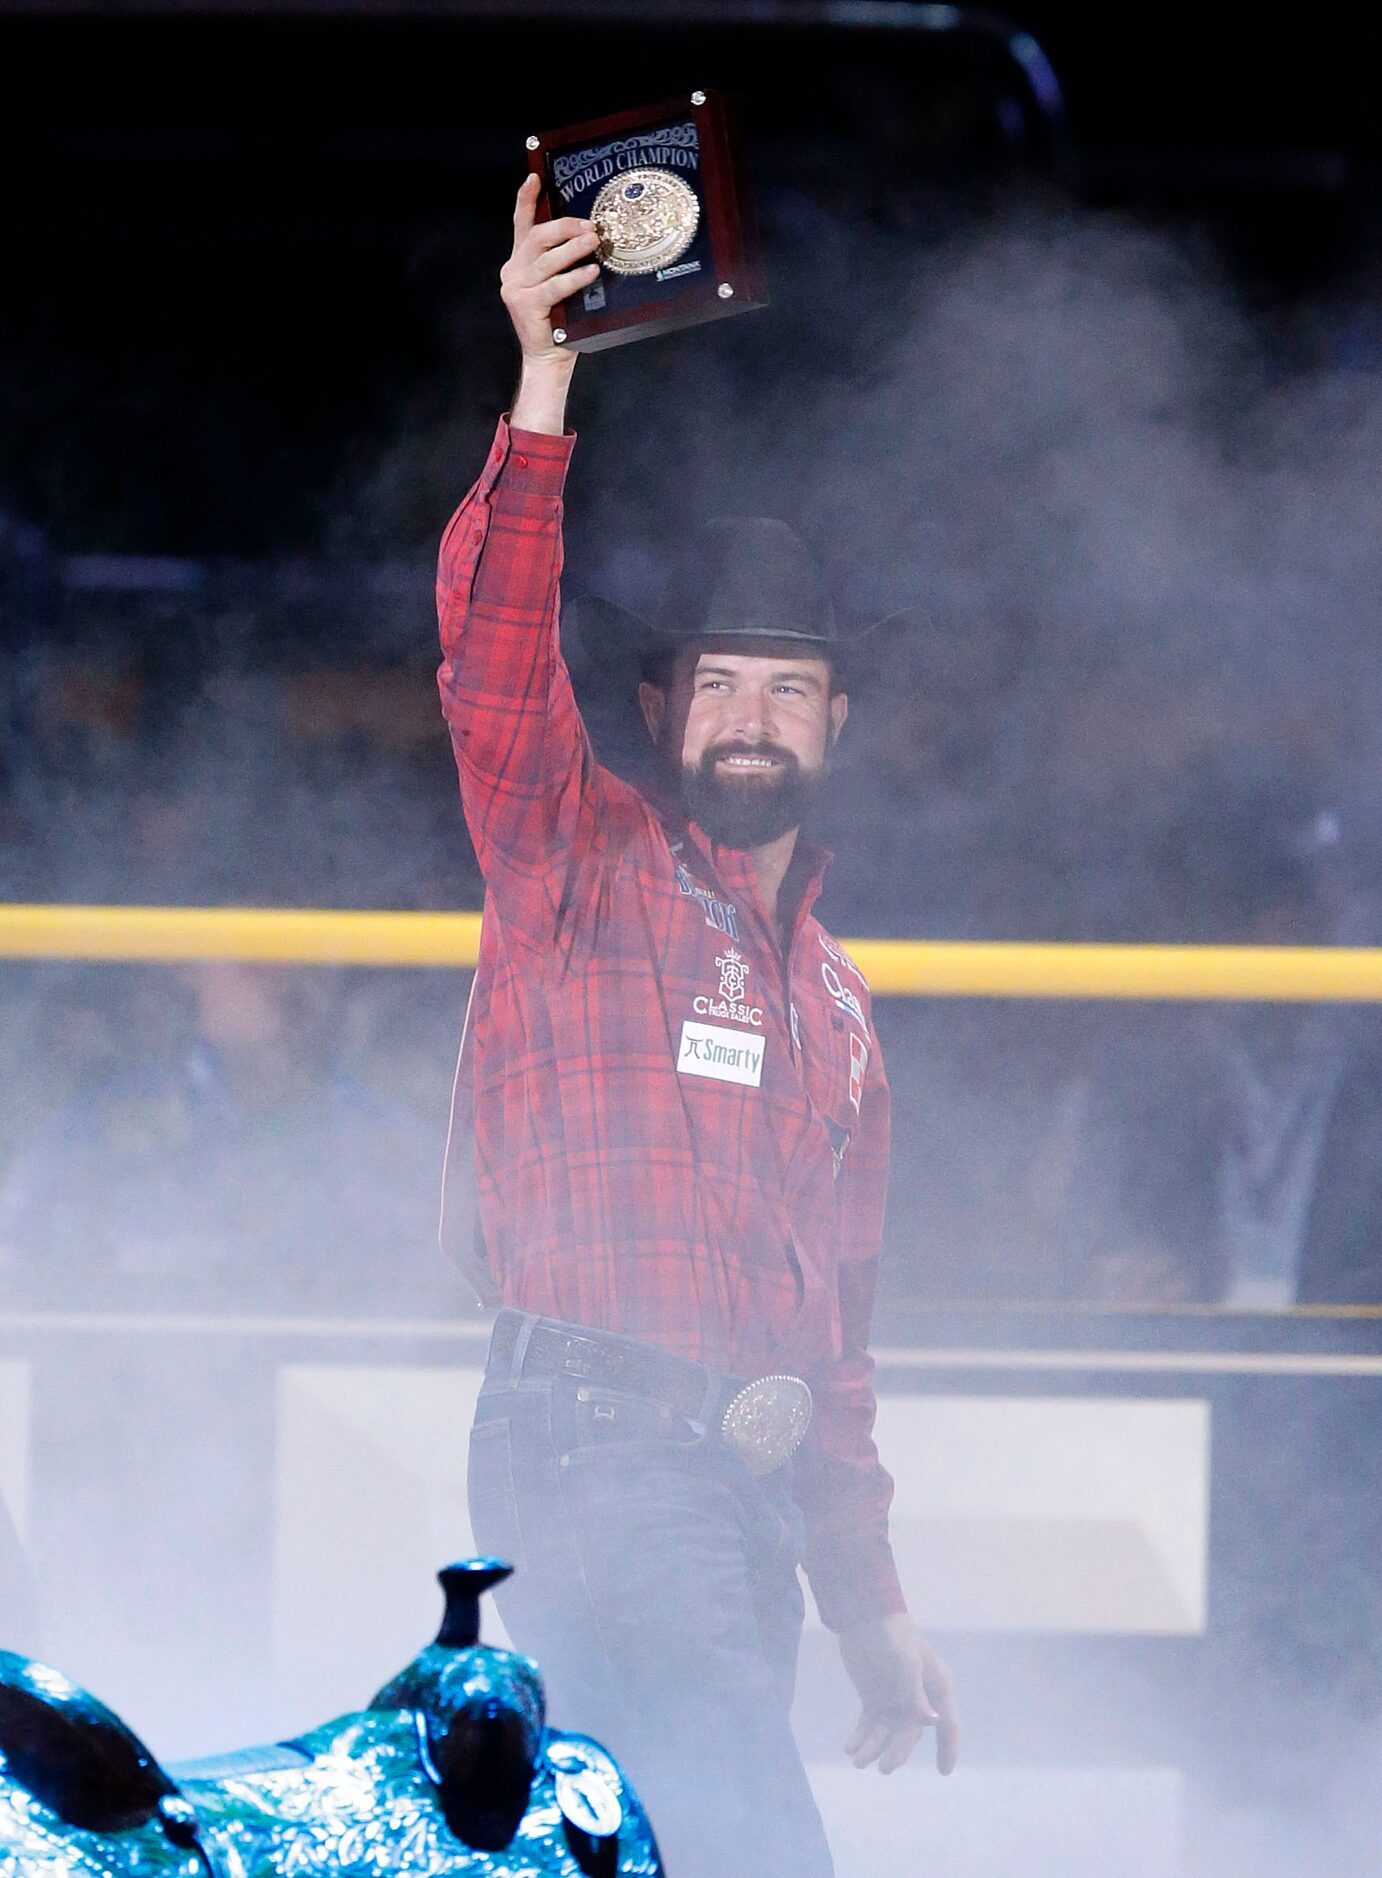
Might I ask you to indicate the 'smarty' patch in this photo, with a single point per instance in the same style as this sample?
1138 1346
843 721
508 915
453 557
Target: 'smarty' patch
723 1055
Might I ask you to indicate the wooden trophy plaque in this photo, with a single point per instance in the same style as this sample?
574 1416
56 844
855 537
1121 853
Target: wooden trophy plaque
666 188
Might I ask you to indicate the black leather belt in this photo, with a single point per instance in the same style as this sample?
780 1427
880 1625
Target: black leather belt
556 1349
764 1421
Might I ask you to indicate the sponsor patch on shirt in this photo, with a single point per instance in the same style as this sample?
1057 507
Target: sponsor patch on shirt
844 998
732 1002
720 915
841 957
723 1055
858 1065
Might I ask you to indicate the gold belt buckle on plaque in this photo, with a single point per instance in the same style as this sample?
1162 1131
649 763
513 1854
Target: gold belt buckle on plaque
767 1421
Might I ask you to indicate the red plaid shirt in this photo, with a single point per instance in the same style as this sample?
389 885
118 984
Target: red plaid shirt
679 1135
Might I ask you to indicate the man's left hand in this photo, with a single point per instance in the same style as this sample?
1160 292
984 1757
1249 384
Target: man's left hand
905 1689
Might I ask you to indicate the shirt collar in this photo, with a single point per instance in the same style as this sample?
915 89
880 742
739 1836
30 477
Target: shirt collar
732 865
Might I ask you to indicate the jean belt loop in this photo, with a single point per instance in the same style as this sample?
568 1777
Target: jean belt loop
520 1347
710 1401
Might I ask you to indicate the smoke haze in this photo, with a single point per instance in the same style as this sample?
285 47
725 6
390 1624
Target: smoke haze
1121 526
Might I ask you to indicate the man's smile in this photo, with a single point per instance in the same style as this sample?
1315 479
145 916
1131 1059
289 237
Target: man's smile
744 759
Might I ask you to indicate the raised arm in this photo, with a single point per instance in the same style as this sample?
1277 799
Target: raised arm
527 775
546 267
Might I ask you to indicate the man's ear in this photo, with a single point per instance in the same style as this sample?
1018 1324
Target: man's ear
652 701
839 711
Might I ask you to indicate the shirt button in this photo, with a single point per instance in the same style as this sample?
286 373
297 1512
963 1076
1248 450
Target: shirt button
521 461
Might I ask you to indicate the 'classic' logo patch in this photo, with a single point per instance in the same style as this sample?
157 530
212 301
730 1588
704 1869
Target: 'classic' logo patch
734 975
734 983
723 1055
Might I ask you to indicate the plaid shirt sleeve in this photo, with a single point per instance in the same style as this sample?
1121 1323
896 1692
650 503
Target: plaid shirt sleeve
845 1490
529 783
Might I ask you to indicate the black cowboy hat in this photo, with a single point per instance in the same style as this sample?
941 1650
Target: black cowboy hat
747 577
741 577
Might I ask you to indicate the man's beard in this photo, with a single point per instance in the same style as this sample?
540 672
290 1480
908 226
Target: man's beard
750 810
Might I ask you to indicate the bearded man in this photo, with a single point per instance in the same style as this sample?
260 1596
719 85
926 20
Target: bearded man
679 1120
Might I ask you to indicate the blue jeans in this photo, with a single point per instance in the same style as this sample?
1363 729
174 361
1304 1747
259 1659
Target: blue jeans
655 1581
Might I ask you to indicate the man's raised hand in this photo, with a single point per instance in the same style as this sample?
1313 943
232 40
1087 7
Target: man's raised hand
549 263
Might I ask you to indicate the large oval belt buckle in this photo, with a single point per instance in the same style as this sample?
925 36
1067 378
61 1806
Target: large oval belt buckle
767 1421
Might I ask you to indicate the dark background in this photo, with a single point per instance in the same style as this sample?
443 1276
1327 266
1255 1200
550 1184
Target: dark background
246 248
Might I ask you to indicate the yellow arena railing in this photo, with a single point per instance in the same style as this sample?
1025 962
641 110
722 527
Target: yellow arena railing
893 967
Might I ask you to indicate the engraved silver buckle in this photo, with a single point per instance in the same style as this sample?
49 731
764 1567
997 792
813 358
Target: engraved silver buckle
767 1421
